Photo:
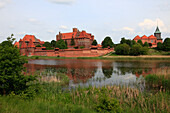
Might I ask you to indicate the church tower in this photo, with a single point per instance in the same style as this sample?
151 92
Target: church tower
157 33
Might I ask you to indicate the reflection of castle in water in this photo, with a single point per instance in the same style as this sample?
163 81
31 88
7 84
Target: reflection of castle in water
85 70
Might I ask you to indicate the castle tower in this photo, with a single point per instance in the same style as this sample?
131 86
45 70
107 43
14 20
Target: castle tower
157 33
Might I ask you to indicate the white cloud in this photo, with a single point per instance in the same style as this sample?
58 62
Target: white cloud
125 30
128 29
62 1
3 3
63 27
11 27
32 20
149 24
51 31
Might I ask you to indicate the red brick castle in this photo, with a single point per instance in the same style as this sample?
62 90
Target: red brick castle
151 39
81 38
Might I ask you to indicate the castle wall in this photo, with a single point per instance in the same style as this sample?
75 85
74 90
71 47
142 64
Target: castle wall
72 52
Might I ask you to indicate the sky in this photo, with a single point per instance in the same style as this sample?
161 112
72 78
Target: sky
114 18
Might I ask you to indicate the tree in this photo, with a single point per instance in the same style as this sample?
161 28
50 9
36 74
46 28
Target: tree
122 49
123 40
61 44
8 42
94 43
107 42
53 43
66 42
129 42
160 46
166 44
72 41
135 50
47 44
11 68
38 45
145 44
150 45
140 42
133 42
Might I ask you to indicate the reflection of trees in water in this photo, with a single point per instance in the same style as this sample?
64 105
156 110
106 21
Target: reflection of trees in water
107 69
81 74
134 67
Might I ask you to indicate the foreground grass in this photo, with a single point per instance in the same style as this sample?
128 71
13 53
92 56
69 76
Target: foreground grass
54 96
54 99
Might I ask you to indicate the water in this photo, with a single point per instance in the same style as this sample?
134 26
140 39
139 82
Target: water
100 72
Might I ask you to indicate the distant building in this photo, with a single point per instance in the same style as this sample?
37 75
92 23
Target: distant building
28 44
151 39
80 38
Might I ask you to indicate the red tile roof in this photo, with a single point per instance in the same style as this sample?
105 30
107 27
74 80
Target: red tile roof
28 37
152 37
31 44
144 37
23 45
82 34
137 38
16 44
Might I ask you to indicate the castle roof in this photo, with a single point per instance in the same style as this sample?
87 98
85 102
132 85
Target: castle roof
23 45
152 37
31 44
144 37
157 30
137 38
16 44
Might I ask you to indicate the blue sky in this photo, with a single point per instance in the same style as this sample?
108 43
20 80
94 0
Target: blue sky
114 18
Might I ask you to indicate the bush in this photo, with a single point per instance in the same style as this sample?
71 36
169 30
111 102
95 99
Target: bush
38 45
136 50
107 104
122 49
159 46
11 68
81 47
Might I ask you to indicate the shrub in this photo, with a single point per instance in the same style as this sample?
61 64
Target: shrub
159 46
122 49
136 50
11 68
38 45
107 104
81 47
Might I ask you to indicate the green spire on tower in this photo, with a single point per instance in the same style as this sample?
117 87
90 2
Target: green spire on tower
157 30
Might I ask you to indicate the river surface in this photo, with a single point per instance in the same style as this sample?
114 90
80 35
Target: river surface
100 72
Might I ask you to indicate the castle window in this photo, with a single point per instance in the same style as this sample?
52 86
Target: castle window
151 41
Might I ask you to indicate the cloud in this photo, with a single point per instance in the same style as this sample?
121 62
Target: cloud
51 31
62 1
63 27
128 29
125 30
11 27
149 24
32 20
3 3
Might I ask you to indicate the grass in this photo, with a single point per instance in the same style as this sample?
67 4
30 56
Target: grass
156 52
81 100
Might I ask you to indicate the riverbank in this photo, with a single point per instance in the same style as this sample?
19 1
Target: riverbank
142 57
